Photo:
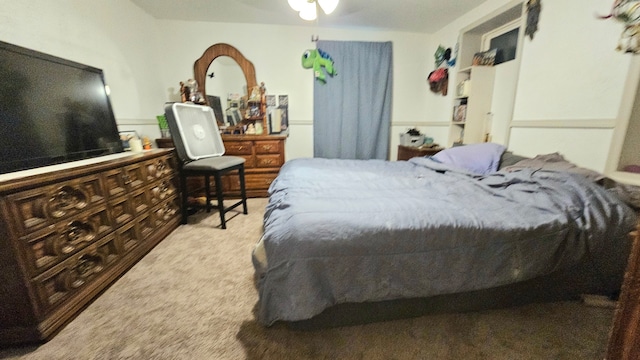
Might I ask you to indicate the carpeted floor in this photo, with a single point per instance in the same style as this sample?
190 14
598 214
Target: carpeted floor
192 297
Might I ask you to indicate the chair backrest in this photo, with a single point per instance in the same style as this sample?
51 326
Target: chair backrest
194 131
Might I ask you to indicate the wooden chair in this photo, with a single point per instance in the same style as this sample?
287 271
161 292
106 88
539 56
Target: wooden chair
200 150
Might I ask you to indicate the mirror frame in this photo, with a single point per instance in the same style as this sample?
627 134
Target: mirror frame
201 66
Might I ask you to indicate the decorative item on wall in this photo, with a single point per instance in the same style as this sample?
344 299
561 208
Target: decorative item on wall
533 14
317 59
443 55
439 81
627 12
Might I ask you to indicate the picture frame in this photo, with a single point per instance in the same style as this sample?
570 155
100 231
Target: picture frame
271 100
233 116
485 58
283 100
284 117
216 104
274 118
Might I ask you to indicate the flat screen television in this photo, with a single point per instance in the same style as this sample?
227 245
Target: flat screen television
52 111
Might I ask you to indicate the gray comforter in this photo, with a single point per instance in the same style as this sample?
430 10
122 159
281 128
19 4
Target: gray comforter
338 231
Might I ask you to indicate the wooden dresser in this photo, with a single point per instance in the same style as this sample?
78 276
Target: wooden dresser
264 156
67 235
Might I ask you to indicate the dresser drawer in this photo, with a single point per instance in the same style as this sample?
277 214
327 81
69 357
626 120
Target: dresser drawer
166 211
238 148
266 161
268 147
158 168
38 208
162 190
263 154
63 280
254 181
249 161
122 210
57 242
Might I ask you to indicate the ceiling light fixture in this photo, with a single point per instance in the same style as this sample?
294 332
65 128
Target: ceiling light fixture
307 8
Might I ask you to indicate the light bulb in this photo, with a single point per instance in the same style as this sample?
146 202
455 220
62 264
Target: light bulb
328 5
297 4
308 11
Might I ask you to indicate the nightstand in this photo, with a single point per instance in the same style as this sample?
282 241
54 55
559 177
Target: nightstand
408 152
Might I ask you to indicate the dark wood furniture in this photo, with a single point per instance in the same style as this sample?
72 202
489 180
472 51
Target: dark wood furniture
408 152
201 67
264 155
66 235
624 340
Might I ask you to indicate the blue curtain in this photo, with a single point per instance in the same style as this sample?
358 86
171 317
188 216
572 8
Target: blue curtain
352 111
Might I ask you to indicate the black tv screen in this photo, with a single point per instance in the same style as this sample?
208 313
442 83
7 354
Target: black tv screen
52 111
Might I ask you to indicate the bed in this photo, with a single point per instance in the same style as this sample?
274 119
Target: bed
452 229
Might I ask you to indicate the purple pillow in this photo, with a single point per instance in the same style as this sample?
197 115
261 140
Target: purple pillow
482 158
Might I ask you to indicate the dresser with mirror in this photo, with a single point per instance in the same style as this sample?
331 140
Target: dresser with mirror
227 81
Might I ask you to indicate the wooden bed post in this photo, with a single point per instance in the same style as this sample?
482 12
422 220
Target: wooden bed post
624 340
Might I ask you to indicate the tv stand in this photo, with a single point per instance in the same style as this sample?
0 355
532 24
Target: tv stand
66 235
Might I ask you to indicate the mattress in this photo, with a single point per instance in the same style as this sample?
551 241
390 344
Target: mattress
351 231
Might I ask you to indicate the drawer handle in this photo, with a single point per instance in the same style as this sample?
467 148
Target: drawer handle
157 169
267 147
165 212
87 266
161 191
67 198
77 232
240 147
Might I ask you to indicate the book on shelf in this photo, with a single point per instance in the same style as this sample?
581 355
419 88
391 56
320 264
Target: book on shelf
460 113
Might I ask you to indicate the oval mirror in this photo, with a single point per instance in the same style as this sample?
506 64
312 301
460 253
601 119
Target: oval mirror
224 83
201 66
225 77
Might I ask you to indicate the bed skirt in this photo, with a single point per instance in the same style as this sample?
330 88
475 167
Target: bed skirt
561 286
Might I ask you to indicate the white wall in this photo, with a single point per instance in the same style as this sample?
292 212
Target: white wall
570 82
113 35
276 53
144 60
570 70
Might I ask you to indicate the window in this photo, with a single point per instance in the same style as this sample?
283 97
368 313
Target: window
505 39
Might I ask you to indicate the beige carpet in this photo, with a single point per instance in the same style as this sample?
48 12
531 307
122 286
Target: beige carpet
192 297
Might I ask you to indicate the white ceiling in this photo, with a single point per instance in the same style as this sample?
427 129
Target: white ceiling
421 16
